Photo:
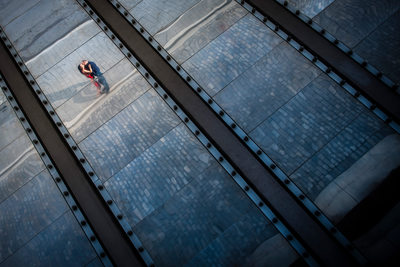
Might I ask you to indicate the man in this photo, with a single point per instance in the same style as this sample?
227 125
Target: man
90 70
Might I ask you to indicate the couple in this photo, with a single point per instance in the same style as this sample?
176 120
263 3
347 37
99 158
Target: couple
90 70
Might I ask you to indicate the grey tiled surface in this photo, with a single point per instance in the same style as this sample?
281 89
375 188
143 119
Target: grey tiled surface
232 53
61 244
198 214
310 8
48 21
147 182
10 127
382 47
85 112
95 263
10 10
155 15
198 26
55 52
352 20
236 243
266 86
63 80
28 211
19 162
340 153
306 123
128 134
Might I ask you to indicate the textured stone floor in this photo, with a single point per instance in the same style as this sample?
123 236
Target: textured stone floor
36 226
369 27
181 203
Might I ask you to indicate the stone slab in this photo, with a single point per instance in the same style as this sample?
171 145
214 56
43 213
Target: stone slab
236 244
198 26
232 53
266 86
199 213
10 10
19 163
155 15
10 127
128 134
306 123
310 8
28 211
43 24
340 153
64 80
86 111
58 50
382 47
350 21
63 243
275 251
150 180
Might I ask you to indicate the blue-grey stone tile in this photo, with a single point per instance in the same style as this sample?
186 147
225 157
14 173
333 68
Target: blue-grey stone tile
382 47
63 80
129 4
340 153
2 98
236 243
159 173
266 86
306 123
129 133
10 127
198 26
352 20
19 162
310 8
28 211
200 212
86 111
232 53
155 15
58 50
43 24
63 243
10 10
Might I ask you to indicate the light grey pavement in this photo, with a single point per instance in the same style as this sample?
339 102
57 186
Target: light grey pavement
36 225
178 199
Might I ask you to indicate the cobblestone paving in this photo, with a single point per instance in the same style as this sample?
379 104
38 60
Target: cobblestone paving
306 123
128 134
340 153
266 86
197 215
232 53
60 244
310 7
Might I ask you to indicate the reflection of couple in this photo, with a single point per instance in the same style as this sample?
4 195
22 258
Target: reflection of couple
90 70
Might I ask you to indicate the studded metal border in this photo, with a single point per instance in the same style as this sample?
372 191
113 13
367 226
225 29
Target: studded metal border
202 138
357 58
55 175
78 154
292 187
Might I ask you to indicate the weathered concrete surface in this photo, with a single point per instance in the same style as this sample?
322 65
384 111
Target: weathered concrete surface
54 53
351 187
43 24
273 252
